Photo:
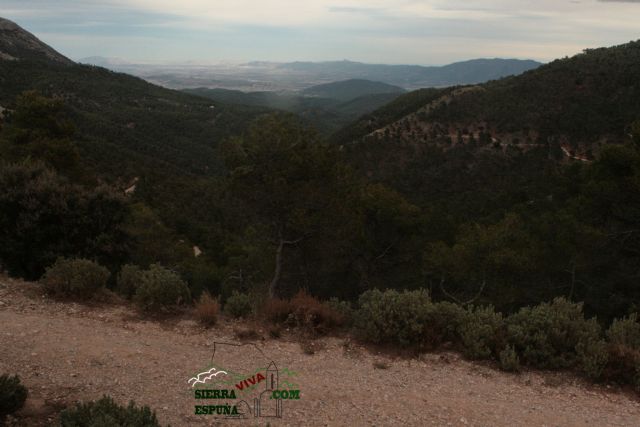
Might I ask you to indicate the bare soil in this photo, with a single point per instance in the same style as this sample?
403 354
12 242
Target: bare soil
67 352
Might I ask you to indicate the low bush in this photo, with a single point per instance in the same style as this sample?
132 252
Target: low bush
79 278
207 309
625 332
444 320
393 317
129 278
238 305
342 308
277 310
105 412
313 315
482 333
161 289
304 311
509 360
247 334
619 359
550 334
12 395
593 357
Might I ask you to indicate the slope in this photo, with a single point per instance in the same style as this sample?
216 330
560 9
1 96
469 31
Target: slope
348 90
591 97
85 352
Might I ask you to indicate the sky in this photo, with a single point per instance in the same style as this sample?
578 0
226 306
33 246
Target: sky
425 32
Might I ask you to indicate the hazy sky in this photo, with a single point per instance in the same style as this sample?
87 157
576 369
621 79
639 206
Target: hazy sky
379 31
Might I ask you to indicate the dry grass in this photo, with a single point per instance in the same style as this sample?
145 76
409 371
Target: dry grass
277 310
304 311
207 309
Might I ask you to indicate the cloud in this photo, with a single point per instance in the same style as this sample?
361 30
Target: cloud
408 31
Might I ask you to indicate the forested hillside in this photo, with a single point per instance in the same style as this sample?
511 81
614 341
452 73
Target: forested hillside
326 107
94 131
528 182
509 193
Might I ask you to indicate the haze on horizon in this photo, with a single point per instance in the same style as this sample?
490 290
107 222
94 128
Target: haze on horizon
425 32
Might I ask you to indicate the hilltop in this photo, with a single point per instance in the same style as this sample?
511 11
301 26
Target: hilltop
17 44
579 101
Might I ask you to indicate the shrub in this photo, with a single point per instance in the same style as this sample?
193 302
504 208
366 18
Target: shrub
238 305
444 321
105 412
593 357
310 313
481 333
625 331
278 310
623 365
620 361
43 216
275 332
160 288
392 316
129 279
549 335
79 278
207 309
342 308
247 334
12 395
509 360
378 364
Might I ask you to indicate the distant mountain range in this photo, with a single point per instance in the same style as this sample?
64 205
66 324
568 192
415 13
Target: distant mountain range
416 76
258 76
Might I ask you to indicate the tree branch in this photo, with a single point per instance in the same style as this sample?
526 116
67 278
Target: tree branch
472 300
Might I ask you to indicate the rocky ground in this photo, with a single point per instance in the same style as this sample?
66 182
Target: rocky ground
66 352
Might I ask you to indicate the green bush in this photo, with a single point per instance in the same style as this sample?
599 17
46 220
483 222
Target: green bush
343 308
443 323
79 278
593 357
105 412
620 361
393 317
238 305
481 333
161 288
549 335
12 395
625 331
509 360
129 278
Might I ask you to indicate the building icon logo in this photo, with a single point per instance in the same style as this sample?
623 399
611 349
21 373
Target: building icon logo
236 392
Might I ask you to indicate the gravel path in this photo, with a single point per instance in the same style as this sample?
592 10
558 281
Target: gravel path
66 352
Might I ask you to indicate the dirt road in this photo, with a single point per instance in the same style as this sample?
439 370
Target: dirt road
67 352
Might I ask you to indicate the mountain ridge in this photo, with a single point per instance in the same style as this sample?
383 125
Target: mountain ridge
16 43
